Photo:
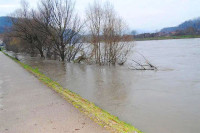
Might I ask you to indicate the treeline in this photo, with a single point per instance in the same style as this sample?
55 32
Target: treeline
55 29
186 32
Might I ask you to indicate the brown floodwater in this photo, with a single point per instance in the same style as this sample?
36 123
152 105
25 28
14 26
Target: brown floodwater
163 101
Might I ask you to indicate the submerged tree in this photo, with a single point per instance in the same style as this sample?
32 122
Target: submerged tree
107 35
95 21
27 30
65 27
53 28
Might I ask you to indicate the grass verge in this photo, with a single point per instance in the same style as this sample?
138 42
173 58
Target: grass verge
97 114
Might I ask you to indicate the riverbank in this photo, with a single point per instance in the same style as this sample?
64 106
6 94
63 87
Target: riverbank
168 37
95 113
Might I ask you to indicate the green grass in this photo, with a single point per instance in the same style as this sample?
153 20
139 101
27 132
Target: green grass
97 114
168 37
1 48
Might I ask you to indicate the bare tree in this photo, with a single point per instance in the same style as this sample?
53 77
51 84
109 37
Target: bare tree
65 27
56 29
25 28
107 33
53 28
43 20
95 18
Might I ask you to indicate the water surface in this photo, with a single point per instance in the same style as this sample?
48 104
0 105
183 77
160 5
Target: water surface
163 101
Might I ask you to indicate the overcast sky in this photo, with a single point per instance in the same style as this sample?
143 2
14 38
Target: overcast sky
142 15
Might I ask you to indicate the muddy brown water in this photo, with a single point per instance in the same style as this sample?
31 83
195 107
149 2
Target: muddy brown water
163 101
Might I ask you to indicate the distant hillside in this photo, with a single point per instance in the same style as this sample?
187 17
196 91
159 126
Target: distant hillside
195 23
5 22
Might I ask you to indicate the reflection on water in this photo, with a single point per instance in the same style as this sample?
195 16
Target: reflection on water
164 101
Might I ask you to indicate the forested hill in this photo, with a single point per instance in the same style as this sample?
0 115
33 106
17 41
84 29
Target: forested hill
5 22
195 23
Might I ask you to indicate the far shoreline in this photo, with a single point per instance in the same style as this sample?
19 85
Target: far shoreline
168 38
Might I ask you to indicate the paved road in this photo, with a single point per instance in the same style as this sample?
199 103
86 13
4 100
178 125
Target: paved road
28 106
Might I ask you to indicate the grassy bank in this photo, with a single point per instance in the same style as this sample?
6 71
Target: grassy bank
168 37
97 114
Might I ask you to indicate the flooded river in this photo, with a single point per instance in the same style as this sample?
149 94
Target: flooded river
163 101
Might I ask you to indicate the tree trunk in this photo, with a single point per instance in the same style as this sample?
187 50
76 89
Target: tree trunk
62 54
62 58
41 53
